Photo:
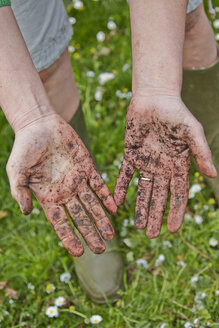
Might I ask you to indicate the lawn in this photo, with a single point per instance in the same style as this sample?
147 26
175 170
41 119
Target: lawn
177 283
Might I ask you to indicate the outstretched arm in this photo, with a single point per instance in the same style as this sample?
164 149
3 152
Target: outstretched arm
47 156
160 130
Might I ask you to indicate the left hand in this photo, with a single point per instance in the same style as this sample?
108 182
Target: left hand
160 133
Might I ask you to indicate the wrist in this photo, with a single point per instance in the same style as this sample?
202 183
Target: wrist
143 103
39 112
152 91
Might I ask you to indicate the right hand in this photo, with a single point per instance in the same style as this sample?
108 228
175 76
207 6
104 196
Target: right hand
160 135
49 158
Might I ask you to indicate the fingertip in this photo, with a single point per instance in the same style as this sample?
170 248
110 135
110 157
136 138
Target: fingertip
140 225
26 206
152 234
112 207
108 232
98 249
208 170
76 252
173 228
108 236
118 200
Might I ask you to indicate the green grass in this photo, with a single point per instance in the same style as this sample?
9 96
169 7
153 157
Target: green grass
29 249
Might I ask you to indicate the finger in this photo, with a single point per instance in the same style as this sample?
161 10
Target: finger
143 200
122 183
179 187
94 208
158 205
20 191
62 227
99 187
85 226
201 151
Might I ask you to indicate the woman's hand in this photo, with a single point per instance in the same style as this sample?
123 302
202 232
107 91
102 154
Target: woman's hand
160 134
49 158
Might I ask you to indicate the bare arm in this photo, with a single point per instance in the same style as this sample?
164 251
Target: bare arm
158 29
22 95
160 131
48 158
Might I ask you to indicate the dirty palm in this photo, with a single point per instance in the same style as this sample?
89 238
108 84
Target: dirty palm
62 176
158 143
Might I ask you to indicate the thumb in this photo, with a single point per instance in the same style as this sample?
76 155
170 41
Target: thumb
201 151
20 190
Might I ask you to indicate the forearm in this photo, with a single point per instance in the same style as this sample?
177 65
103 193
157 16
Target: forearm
158 29
22 95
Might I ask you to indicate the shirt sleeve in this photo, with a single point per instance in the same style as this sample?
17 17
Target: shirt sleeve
5 3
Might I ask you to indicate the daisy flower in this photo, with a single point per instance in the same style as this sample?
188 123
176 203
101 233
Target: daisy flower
65 277
52 312
50 288
213 242
100 36
60 301
95 319
198 219
111 25
142 262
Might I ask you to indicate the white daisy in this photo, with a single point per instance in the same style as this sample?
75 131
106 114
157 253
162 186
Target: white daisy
167 243
78 4
159 260
123 95
30 286
36 211
132 221
111 25
65 277
188 324
198 219
194 279
105 77
105 177
52 312
98 96
213 242
90 74
182 264
95 319
60 301
125 222
50 288
163 325
216 23
188 217
125 67
72 20
195 188
100 36
142 262
191 195
217 292
127 242
71 49
217 36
